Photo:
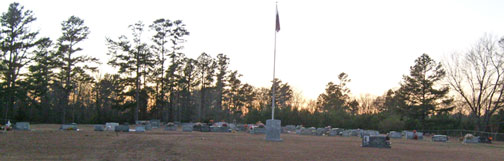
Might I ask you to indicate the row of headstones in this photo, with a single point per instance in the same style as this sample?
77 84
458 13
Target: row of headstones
189 127
416 136
142 126
334 132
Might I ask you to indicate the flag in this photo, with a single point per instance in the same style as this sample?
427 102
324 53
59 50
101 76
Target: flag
277 28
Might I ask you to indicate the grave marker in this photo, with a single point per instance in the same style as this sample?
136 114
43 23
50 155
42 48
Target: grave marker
469 138
170 127
320 131
187 128
122 128
72 126
99 128
395 135
377 141
439 138
140 129
110 126
413 135
205 128
155 123
258 130
22 126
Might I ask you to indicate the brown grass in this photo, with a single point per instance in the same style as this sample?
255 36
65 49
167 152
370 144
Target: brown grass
45 142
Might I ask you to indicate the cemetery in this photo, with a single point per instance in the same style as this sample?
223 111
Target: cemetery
46 142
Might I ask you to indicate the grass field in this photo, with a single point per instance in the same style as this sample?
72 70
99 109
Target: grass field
45 142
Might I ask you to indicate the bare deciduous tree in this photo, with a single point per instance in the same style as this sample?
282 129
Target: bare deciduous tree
477 76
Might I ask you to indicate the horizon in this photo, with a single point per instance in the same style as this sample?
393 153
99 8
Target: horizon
375 43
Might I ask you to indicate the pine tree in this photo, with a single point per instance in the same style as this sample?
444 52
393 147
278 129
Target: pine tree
16 40
72 65
421 98
206 68
132 59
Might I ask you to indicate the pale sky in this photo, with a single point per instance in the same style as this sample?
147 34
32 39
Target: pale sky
374 42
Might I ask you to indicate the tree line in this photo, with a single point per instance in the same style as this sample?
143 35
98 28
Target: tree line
52 81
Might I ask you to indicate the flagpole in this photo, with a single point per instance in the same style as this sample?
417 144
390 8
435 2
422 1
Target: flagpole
274 65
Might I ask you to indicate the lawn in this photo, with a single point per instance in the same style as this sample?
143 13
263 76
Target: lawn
45 142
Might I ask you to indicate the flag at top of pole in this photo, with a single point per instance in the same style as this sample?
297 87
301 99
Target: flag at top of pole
277 28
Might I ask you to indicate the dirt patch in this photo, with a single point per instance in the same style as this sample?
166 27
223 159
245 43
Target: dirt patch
47 143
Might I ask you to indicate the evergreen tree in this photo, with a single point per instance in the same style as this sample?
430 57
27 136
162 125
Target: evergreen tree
168 37
16 40
206 69
133 60
41 76
222 69
71 65
336 96
421 98
187 82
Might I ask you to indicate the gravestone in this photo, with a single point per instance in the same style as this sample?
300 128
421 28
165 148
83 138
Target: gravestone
140 129
411 135
170 127
214 129
377 141
219 124
439 138
241 127
483 139
22 126
395 135
335 131
346 133
290 128
355 132
368 133
224 129
232 126
99 128
110 126
205 128
155 123
122 128
197 127
298 131
469 138
72 126
186 124
148 126
273 129
258 130
320 131
187 128
284 130
306 131
313 130
142 122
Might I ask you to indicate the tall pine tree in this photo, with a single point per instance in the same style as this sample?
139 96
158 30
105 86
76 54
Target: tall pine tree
419 93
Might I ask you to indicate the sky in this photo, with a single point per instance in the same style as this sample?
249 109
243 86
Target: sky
374 42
